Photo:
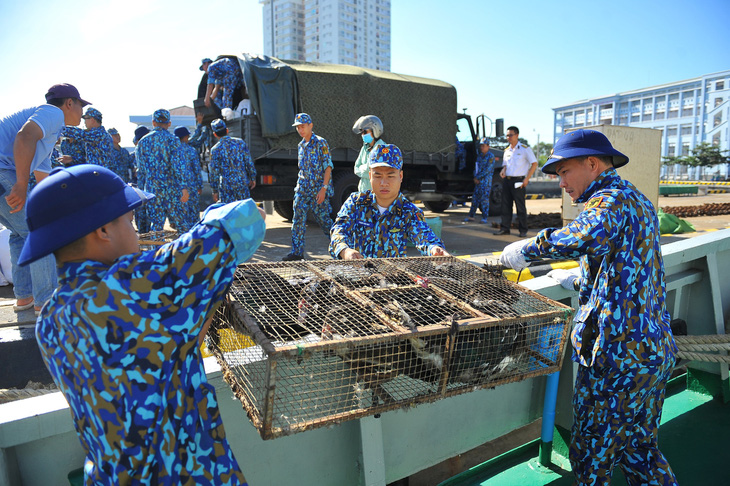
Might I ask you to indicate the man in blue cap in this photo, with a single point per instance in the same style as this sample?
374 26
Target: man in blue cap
314 185
121 160
622 338
194 180
121 335
97 141
483 170
27 138
380 222
161 172
232 171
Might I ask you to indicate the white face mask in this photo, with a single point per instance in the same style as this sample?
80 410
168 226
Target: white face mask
367 138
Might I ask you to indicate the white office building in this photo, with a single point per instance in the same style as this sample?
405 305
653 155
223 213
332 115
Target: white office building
688 112
353 32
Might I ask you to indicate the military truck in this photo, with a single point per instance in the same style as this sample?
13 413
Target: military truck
419 115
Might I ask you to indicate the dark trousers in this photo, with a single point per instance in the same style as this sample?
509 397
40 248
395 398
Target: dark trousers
510 195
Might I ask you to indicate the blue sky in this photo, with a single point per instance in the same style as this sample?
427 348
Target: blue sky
513 60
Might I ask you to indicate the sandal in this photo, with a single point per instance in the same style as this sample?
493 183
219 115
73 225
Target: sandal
19 308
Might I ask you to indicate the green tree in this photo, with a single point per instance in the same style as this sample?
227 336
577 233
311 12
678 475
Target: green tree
542 152
704 155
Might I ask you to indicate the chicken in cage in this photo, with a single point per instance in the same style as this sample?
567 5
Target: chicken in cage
338 339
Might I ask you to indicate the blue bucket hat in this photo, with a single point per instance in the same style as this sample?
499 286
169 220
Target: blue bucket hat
71 203
181 132
140 132
203 61
301 119
582 143
92 113
113 131
218 125
386 156
484 141
161 116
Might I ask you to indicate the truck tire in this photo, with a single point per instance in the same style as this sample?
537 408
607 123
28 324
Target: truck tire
437 206
495 197
345 183
285 209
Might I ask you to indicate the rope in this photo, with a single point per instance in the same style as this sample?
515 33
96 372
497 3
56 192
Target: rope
711 338
689 347
709 358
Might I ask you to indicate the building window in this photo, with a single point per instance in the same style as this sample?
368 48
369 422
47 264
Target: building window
685 149
717 120
720 85
716 139
672 131
671 150
686 130
718 102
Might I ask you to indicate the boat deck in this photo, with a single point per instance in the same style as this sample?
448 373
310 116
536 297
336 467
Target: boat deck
693 436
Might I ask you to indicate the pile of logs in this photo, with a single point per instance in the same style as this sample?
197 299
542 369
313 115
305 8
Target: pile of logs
711 209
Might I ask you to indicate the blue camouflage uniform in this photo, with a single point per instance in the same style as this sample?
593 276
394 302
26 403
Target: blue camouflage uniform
161 172
97 144
622 337
314 158
121 163
75 149
227 73
200 137
460 154
360 226
231 169
194 183
483 170
122 345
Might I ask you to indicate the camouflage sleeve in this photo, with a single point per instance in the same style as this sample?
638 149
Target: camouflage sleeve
177 163
341 236
325 158
198 137
213 168
141 167
243 223
420 233
592 233
74 133
95 136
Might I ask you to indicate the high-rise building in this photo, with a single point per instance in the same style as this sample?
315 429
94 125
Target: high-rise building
688 112
354 32
284 28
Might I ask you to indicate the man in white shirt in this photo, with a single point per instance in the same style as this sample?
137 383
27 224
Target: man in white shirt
519 163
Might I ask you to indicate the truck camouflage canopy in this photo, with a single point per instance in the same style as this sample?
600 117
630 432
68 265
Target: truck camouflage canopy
417 113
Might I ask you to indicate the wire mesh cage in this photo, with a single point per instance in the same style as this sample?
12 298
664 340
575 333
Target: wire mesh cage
311 343
155 239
